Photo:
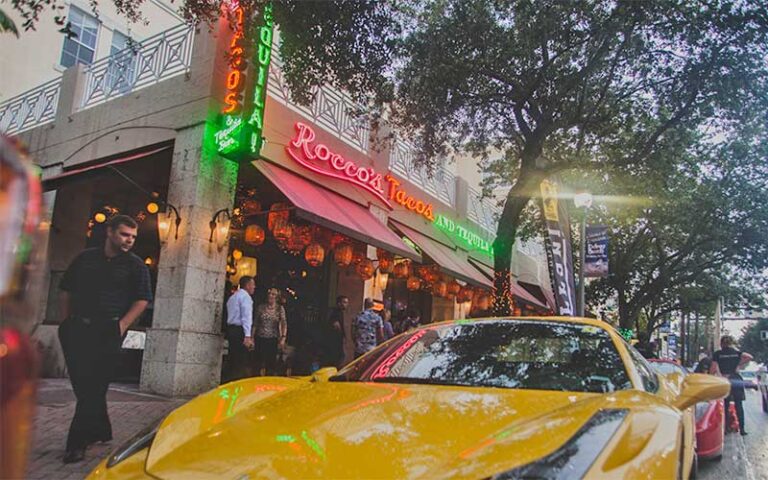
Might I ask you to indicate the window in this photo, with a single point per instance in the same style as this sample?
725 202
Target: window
122 64
647 375
520 354
81 46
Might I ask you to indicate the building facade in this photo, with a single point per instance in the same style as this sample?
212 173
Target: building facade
319 213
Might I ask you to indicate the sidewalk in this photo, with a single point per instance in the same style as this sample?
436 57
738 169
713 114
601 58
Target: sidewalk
129 411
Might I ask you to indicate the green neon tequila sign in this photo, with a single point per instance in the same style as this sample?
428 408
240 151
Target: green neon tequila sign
467 237
241 123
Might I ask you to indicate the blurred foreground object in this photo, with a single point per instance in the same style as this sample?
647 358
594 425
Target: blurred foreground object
20 206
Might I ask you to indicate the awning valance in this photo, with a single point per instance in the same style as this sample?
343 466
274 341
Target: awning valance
324 207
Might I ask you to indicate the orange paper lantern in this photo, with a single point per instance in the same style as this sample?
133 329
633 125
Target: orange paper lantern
278 214
454 288
342 255
483 301
365 269
314 255
254 235
413 283
282 231
465 294
386 264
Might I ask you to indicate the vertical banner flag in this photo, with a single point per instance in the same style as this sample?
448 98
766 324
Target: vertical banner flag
559 253
596 257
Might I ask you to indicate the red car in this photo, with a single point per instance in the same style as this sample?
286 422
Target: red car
709 417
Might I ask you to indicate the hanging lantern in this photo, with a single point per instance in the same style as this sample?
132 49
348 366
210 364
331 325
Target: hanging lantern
386 264
454 288
282 231
293 245
413 283
304 234
278 214
342 255
465 294
365 269
254 235
357 257
381 253
440 289
250 206
402 269
314 255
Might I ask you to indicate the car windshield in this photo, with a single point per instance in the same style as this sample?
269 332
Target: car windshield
521 354
666 367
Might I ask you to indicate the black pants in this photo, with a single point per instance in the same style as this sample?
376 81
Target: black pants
91 348
266 355
238 354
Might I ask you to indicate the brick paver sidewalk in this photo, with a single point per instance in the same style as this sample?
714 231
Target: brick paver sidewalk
129 411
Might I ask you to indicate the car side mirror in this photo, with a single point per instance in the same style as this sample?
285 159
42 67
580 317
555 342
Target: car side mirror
324 374
698 387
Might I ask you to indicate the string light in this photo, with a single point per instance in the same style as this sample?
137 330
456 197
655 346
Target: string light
503 304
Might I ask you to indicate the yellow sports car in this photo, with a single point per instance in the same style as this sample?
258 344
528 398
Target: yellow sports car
497 398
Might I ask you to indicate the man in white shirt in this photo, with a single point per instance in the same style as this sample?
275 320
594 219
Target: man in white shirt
239 321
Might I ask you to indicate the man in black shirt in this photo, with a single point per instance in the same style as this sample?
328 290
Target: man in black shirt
727 362
333 352
104 291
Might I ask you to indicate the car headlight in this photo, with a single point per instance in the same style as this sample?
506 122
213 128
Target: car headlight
574 459
140 441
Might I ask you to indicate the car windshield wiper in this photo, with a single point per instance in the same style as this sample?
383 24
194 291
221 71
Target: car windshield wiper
417 381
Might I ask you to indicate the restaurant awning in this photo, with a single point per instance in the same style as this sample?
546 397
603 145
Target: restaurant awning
517 290
445 257
324 207
55 181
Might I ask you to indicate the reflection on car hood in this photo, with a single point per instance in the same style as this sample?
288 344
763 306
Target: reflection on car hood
293 428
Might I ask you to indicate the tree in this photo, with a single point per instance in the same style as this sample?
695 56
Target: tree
703 236
752 343
554 85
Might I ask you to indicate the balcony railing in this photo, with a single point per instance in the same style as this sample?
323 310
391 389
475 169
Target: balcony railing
482 211
441 184
330 109
157 58
30 109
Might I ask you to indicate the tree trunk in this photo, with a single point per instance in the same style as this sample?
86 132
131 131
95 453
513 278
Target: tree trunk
506 233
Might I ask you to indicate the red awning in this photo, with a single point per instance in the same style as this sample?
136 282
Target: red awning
324 207
446 257
53 182
517 290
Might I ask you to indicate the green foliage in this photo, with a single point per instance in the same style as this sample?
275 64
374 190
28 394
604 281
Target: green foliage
751 343
7 25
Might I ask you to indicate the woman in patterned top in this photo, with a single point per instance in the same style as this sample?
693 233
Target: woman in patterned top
270 332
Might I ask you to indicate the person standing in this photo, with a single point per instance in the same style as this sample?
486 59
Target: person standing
389 330
239 323
271 332
103 292
411 321
727 362
367 329
334 336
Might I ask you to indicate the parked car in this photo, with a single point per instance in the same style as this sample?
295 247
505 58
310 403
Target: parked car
513 397
750 379
709 416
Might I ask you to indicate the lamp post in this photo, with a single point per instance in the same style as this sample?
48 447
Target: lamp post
583 201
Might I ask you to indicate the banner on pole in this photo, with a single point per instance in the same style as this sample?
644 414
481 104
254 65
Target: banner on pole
596 257
559 253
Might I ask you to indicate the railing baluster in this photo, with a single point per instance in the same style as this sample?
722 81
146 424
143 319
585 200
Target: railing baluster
30 109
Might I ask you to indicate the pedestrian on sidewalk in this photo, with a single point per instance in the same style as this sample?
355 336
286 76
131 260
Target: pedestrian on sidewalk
271 332
367 329
103 292
239 322
727 362
333 348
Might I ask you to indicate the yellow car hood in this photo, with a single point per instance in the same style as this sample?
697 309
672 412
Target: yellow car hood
295 428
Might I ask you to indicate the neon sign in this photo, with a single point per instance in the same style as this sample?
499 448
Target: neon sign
242 117
383 369
320 159
471 239
400 196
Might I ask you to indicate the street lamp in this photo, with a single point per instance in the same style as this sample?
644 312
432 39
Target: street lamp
582 201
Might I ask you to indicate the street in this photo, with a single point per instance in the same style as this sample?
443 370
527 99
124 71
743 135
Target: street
744 457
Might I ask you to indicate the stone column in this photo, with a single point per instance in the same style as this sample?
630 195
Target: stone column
184 346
